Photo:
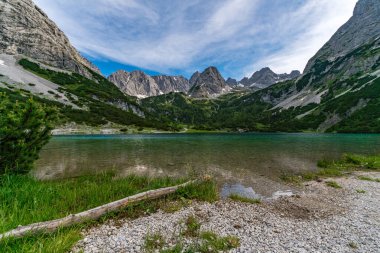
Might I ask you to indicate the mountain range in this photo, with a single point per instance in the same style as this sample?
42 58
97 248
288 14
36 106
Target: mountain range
339 90
211 84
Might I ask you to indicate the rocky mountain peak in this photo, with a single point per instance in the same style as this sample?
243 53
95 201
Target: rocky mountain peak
194 78
209 83
294 74
266 77
27 30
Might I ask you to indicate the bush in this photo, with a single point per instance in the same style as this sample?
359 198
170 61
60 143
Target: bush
24 129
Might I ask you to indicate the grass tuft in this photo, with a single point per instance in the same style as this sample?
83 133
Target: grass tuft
154 242
369 179
192 226
239 198
333 184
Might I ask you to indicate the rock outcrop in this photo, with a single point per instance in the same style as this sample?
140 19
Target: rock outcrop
209 84
266 77
27 30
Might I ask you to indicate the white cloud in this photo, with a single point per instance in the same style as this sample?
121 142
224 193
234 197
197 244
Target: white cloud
238 36
321 19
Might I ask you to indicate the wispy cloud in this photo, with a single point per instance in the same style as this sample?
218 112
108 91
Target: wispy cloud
315 22
238 36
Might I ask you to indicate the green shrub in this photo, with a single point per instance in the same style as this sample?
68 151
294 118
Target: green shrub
24 129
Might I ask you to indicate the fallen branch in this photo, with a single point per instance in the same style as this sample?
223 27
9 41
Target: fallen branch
92 214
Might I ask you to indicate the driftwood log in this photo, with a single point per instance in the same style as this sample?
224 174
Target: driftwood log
92 214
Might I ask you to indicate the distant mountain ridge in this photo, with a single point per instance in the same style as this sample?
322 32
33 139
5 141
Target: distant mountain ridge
266 77
139 84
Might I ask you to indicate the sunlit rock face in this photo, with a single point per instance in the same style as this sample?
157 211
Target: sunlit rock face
27 30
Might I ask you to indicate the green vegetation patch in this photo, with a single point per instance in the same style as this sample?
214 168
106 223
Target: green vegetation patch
192 226
239 198
369 179
333 184
347 164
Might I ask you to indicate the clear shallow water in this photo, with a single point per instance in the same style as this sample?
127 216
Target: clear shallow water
245 163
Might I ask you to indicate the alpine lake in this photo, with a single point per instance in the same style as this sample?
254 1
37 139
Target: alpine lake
249 164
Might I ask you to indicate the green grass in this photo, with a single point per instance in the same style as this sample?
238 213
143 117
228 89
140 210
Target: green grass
192 226
369 179
347 164
333 184
360 191
25 200
154 242
200 241
239 198
214 243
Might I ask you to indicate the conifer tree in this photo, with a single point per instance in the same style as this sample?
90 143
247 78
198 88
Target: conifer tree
25 127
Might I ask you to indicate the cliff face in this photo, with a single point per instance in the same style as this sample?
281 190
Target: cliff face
135 83
362 28
25 29
169 84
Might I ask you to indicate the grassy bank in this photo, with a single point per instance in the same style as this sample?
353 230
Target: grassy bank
25 200
346 165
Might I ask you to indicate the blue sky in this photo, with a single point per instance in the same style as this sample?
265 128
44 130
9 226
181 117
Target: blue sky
178 37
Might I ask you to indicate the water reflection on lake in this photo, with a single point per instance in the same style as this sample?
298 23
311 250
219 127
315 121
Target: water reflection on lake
253 161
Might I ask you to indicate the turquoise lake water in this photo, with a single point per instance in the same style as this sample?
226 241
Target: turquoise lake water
250 163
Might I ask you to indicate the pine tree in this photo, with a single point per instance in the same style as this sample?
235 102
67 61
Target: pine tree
25 127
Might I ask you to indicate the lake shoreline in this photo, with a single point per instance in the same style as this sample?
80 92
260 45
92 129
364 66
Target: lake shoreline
322 218
85 130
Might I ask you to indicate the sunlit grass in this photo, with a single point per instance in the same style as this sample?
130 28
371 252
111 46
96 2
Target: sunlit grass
25 200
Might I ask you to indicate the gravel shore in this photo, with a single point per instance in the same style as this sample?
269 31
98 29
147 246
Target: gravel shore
319 219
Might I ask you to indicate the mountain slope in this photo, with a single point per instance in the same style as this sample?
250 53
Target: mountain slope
27 30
